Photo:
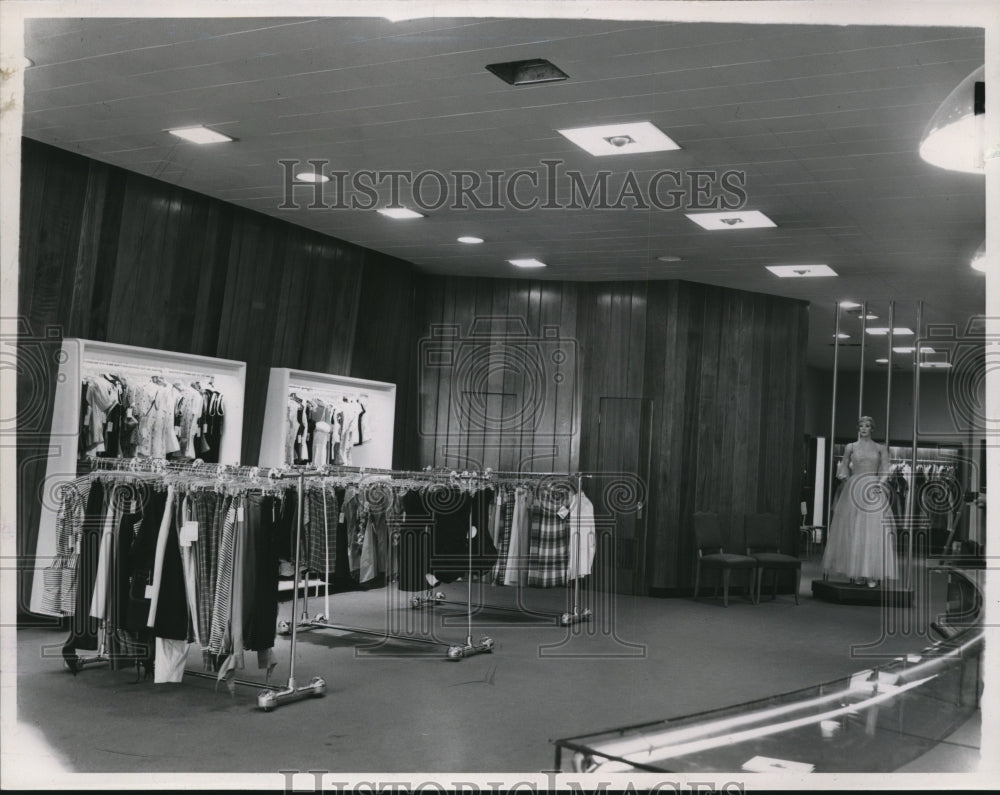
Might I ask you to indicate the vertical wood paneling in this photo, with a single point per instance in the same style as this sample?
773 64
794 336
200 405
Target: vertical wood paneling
116 256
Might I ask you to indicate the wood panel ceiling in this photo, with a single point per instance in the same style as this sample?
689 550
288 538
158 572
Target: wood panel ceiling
824 122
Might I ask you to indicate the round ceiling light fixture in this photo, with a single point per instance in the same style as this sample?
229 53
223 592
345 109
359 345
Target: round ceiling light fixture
470 240
954 138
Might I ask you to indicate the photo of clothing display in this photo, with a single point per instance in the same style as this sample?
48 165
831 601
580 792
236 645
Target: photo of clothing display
160 567
861 542
128 416
325 430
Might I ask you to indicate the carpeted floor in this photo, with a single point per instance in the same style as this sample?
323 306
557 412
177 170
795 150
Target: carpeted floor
399 707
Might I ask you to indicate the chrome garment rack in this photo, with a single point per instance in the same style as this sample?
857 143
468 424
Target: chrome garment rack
224 477
352 475
492 477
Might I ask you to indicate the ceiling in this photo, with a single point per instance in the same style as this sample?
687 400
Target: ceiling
823 121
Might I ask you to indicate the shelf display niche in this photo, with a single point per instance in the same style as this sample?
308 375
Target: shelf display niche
318 418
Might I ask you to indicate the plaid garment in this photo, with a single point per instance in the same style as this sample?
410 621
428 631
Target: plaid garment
321 530
502 522
549 543
209 512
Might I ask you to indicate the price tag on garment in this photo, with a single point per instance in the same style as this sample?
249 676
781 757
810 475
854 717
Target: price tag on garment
177 430
128 413
110 427
239 513
204 427
149 592
563 512
189 533
340 519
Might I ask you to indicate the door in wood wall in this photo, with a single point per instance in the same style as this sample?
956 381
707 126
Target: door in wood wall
620 493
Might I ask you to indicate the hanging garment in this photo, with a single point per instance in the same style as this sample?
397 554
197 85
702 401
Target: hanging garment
414 543
502 524
260 574
321 436
142 562
321 531
582 537
549 542
209 511
219 635
59 577
215 426
84 628
98 601
131 647
518 552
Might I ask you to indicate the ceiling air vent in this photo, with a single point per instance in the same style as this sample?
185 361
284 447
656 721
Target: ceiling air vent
526 73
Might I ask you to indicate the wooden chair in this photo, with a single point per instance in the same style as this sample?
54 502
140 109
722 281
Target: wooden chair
763 540
712 556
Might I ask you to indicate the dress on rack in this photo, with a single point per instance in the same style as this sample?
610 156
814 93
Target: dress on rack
861 541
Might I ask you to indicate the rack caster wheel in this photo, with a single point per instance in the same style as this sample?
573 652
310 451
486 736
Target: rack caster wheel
284 628
320 619
482 646
318 686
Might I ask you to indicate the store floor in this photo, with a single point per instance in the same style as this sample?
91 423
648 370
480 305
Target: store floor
398 707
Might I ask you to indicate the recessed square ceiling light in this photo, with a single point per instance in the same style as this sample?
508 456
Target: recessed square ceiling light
399 212
938 359
527 263
801 271
200 135
841 336
620 139
470 239
903 349
850 305
525 73
745 219
881 331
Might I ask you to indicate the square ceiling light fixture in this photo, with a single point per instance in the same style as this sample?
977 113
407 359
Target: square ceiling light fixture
527 263
801 271
620 139
399 213
200 135
526 73
745 219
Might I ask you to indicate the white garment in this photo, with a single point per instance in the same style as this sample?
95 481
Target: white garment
98 602
189 565
582 537
161 550
519 547
171 656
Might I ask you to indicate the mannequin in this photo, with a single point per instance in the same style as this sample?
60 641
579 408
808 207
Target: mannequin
861 541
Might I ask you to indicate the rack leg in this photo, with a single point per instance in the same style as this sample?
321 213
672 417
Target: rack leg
577 616
267 700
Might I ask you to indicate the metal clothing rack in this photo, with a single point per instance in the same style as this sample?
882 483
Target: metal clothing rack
245 478
319 621
495 477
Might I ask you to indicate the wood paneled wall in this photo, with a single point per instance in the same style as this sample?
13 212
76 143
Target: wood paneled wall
490 372
114 256
722 370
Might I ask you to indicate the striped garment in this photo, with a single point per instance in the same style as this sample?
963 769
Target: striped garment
59 577
219 633
503 520
549 545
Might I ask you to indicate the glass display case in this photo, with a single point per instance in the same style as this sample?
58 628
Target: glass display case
875 720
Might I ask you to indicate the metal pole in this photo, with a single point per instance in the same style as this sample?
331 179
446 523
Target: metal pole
833 420
295 577
888 378
861 367
911 512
